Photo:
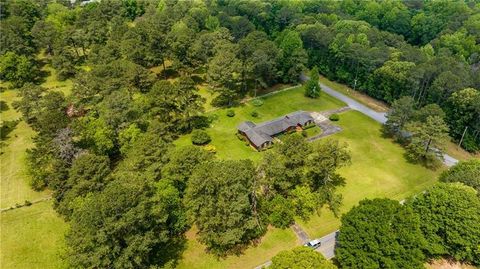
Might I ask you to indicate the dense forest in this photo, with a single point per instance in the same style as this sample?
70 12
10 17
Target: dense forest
106 150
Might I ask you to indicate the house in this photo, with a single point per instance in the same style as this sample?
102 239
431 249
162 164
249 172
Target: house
261 135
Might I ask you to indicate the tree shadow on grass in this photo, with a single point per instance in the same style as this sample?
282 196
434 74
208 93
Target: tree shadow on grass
3 106
169 256
6 128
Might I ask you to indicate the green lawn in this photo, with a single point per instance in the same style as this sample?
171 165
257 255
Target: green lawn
273 242
31 237
223 128
14 183
378 169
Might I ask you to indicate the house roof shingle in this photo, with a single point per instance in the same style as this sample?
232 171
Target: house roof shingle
263 132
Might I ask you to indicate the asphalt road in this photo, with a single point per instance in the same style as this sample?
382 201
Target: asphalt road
377 116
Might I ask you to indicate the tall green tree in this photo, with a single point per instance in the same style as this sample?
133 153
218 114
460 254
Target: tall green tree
219 199
132 223
380 233
17 69
449 216
427 139
88 174
312 88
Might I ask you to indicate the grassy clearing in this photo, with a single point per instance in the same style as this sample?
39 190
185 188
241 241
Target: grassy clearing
224 128
51 82
378 169
31 237
273 242
14 182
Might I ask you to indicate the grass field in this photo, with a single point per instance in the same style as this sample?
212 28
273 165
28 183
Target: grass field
378 169
31 237
14 183
273 242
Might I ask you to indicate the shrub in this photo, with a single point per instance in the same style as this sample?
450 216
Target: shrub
200 137
27 203
304 133
230 113
334 117
239 136
254 114
257 102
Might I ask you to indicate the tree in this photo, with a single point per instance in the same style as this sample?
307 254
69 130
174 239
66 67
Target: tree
51 114
17 69
427 139
321 172
401 112
88 174
380 233
179 39
466 172
175 104
463 111
132 223
281 212
29 103
312 89
224 68
219 201
294 56
449 216
300 258
182 161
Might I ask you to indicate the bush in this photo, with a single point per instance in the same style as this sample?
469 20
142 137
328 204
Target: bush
304 133
254 114
230 113
200 137
27 203
334 117
281 212
257 102
239 136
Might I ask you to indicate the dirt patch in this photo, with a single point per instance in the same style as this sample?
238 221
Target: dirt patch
446 264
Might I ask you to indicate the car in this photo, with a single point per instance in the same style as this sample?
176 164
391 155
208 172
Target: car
313 244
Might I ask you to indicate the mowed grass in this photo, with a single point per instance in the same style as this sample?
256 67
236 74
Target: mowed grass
14 182
31 238
378 169
224 128
276 240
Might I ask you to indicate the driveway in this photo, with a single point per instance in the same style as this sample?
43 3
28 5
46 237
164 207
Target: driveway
377 116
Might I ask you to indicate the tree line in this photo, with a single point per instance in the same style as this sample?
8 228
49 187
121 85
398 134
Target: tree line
426 50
